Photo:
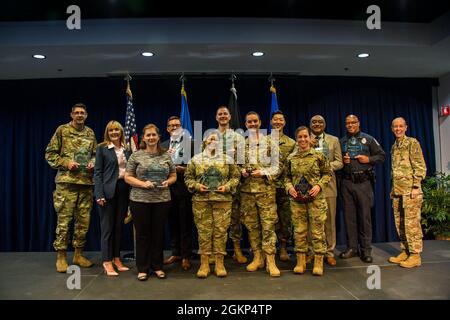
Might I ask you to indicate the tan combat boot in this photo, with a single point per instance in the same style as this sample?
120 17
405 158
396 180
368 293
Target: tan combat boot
412 261
401 257
284 256
220 268
204 270
238 256
61 261
318 265
79 260
301 263
271 267
257 263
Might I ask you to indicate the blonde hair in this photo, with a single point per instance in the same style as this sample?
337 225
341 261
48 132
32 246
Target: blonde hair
142 144
113 124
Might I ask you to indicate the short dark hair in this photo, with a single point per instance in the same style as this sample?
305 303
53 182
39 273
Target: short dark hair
79 105
173 118
278 112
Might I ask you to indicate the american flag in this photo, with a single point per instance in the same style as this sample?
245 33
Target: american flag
131 137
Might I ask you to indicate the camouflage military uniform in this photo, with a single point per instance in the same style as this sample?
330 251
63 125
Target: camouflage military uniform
283 227
258 204
315 167
212 210
73 194
408 170
232 142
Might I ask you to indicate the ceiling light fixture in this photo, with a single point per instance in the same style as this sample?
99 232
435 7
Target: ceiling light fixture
363 55
147 54
258 54
39 56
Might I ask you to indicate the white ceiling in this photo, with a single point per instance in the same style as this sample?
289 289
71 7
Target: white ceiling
223 45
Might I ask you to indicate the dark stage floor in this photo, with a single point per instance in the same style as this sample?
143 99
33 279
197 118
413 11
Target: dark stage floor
32 275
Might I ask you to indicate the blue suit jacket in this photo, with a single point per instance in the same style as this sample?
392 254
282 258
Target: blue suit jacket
106 172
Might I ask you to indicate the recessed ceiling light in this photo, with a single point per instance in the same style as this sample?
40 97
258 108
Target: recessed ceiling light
147 54
258 54
363 55
39 56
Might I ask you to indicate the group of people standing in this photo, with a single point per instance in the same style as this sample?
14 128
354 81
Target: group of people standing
278 187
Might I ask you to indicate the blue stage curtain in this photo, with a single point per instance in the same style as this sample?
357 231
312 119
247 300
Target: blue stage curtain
32 110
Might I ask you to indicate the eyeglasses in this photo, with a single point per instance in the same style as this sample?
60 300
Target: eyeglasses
173 125
351 123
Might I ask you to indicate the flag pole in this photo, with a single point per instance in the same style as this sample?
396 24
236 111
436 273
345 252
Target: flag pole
129 217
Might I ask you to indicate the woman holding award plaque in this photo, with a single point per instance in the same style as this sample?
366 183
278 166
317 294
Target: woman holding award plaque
306 176
150 171
111 193
213 177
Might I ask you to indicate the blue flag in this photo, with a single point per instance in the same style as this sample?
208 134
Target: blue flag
273 104
184 116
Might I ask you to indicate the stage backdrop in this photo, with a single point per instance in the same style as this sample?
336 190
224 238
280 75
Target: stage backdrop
32 110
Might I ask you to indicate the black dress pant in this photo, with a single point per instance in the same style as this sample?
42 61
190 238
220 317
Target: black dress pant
149 220
358 200
180 219
111 221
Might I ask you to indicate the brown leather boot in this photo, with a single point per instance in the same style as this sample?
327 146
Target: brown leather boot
257 263
238 255
401 257
413 260
81 261
204 270
301 263
284 256
271 266
318 265
61 261
220 267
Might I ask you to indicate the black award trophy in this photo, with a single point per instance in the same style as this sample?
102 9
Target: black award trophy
303 187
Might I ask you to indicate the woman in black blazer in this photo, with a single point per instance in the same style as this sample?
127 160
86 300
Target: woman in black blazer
111 193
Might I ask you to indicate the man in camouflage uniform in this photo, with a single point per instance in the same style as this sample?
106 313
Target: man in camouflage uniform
408 170
258 204
284 226
314 167
213 177
328 145
72 152
233 145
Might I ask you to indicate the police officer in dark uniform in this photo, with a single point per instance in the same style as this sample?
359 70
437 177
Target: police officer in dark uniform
361 152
